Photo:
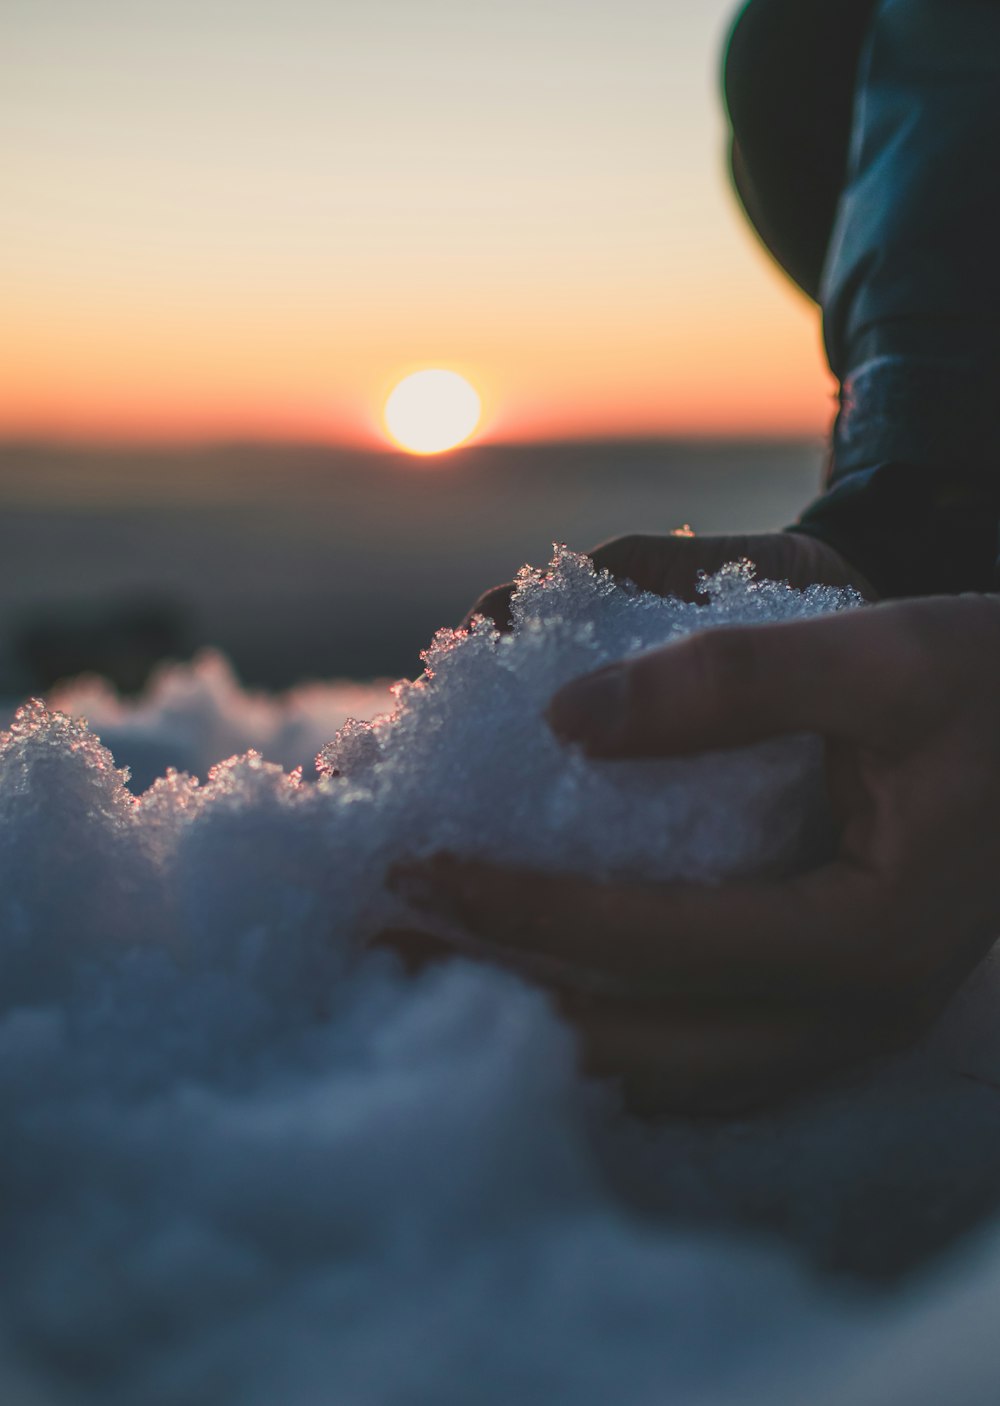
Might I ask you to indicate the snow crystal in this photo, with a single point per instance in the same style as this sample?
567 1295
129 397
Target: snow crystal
246 1163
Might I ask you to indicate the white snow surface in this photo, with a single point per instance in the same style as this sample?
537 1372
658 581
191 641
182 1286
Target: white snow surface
194 715
246 1162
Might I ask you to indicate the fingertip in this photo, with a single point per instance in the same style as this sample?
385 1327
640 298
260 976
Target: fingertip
416 949
495 606
590 711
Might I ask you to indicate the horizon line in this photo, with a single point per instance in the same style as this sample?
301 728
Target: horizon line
230 444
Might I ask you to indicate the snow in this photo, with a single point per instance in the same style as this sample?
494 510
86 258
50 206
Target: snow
245 1161
194 715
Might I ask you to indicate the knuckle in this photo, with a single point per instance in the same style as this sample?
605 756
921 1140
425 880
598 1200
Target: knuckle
643 702
947 639
723 663
920 634
619 553
612 546
692 684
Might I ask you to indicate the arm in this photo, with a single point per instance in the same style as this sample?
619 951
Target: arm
866 138
911 306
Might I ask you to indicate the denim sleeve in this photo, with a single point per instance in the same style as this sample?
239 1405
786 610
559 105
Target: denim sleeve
911 306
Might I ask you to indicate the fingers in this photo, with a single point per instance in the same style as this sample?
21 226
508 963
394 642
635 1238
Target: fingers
652 563
698 1058
495 605
866 676
813 935
416 948
672 564
722 1064
664 565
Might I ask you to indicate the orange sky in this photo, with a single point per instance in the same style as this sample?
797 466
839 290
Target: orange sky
248 221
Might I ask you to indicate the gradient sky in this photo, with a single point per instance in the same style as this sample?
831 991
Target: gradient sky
240 220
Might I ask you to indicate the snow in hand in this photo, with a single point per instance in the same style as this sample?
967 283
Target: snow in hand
245 1162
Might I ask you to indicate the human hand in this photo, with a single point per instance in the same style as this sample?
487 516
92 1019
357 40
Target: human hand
669 565
743 993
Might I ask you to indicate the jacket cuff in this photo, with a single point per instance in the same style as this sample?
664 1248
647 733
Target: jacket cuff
908 531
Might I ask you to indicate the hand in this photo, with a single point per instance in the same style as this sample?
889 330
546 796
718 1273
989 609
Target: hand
744 993
668 565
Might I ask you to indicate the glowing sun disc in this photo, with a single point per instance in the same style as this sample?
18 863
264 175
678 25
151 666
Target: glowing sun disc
432 411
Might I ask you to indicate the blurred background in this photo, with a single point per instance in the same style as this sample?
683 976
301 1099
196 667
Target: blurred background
229 230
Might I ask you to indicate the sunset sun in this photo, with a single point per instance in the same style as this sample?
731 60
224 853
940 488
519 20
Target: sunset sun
432 411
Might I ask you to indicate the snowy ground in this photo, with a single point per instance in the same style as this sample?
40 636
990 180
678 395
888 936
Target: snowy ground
246 1163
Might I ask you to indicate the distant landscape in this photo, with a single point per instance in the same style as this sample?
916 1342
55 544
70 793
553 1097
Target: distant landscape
318 563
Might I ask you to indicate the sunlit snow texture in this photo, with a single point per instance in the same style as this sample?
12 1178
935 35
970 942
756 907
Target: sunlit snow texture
242 1162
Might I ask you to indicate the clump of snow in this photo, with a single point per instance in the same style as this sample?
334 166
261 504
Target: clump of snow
194 715
466 762
245 1163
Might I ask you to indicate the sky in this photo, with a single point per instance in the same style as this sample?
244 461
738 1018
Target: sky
249 220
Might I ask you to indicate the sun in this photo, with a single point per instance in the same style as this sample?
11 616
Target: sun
432 411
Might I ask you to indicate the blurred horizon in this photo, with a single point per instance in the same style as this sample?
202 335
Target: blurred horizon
122 445
304 563
246 222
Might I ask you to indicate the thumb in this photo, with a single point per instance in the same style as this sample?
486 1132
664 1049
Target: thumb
855 676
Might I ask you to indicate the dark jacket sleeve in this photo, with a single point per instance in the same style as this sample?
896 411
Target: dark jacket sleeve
911 305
